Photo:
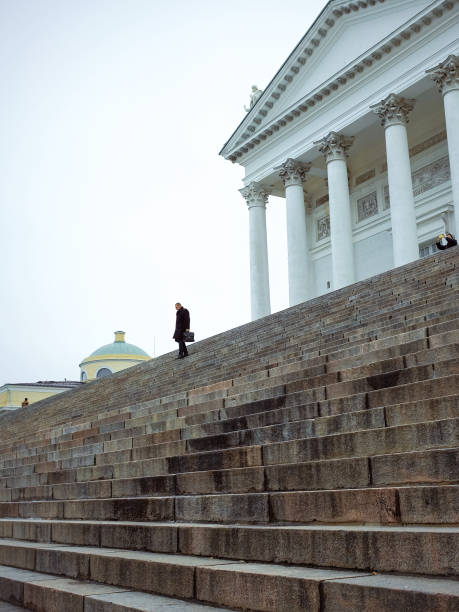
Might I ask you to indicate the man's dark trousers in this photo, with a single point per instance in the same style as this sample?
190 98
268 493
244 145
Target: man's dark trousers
182 348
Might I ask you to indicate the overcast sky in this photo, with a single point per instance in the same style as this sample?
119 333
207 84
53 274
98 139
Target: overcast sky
114 202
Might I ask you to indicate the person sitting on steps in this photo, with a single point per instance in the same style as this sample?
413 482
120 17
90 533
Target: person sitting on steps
445 241
182 324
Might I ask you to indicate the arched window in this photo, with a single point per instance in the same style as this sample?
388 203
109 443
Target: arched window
83 376
103 373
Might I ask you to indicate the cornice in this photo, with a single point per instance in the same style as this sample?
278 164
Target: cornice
240 144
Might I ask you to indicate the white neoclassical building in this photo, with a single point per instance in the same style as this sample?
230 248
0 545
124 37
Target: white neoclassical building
359 132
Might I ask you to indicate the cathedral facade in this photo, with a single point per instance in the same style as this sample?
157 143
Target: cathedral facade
359 132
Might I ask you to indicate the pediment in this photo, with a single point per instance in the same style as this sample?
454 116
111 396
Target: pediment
352 37
339 38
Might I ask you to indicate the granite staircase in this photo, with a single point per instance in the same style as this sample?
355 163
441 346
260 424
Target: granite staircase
306 461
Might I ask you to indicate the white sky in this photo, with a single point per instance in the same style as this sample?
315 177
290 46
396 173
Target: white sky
114 202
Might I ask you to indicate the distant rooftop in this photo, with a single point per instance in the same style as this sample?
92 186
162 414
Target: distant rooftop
48 383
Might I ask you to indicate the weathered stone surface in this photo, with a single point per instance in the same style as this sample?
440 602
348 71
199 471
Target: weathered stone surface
8 509
414 392
6 528
75 462
135 536
429 504
114 457
332 474
82 490
156 438
153 485
5 495
232 508
76 533
196 407
389 593
59 595
350 506
253 407
424 410
62 562
165 449
253 396
137 469
238 480
99 472
11 585
262 587
423 550
428 466
44 509
133 601
231 458
218 441
365 443
37 531
156 574
323 436
142 509
17 555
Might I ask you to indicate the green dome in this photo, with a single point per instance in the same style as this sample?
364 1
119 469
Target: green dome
119 347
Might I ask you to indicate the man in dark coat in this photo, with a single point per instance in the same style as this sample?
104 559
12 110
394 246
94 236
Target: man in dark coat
445 241
182 324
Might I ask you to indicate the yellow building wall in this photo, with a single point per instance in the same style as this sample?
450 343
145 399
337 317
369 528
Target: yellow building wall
114 365
13 398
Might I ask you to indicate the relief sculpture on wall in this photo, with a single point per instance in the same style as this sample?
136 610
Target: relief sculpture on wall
431 175
367 206
323 227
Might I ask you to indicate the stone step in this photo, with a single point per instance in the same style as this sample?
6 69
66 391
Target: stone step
87 455
439 466
437 434
438 504
414 467
300 428
397 414
432 434
170 575
389 593
7 607
321 439
48 593
233 381
430 551
433 551
398 438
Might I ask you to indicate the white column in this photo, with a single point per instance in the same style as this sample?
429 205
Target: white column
292 174
334 147
446 76
256 196
393 112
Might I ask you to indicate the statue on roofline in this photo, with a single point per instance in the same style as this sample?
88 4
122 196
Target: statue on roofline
254 97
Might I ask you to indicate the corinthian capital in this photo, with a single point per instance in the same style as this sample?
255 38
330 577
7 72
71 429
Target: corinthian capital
334 146
393 110
255 194
292 172
446 74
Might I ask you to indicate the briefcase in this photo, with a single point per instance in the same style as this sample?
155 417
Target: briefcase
188 336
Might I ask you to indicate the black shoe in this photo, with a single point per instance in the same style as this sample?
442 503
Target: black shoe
186 355
180 357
